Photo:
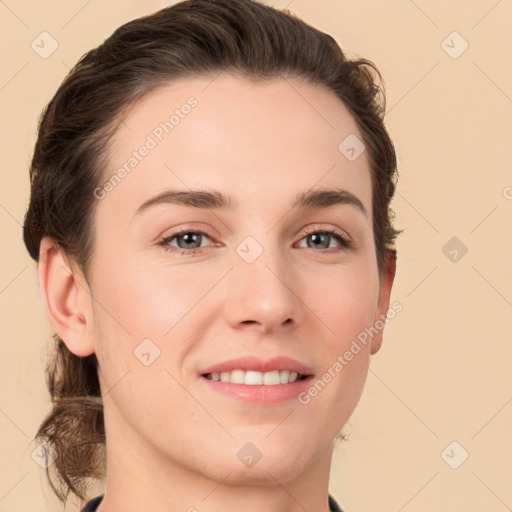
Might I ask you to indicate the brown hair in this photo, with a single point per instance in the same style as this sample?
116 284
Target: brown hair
191 38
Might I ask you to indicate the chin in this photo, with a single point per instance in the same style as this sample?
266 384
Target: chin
272 463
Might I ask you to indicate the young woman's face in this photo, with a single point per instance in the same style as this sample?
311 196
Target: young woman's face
211 247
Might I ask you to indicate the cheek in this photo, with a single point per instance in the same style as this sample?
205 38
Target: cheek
150 300
347 309
344 298
157 310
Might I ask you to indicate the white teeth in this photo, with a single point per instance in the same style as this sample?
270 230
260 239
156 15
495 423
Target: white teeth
237 377
252 378
271 378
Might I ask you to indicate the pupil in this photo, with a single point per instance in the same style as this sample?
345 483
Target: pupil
316 237
188 238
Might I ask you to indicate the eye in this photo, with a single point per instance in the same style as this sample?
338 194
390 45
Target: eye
185 241
323 239
189 242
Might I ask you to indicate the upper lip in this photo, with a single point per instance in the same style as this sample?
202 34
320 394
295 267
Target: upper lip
259 365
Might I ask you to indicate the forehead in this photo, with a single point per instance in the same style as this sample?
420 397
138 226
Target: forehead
245 137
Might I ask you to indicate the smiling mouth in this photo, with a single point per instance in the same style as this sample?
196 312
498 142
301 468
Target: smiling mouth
254 378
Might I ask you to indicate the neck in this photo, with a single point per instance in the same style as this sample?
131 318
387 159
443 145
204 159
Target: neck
140 477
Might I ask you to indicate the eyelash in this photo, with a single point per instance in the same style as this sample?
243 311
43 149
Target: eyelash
344 242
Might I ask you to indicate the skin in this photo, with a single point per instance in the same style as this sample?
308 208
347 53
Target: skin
172 443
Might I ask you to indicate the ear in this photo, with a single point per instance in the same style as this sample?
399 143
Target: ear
386 283
66 298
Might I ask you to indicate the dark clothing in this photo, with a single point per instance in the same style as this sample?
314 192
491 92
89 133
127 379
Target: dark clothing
333 506
93 505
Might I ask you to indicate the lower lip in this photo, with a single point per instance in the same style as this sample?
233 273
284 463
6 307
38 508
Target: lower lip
260 394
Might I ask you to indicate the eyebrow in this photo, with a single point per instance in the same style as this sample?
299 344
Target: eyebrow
213 199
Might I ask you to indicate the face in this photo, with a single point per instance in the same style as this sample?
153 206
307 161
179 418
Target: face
218 276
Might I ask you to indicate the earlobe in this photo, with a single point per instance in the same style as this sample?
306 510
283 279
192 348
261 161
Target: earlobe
66 298
386 284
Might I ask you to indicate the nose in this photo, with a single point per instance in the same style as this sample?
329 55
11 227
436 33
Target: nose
263 295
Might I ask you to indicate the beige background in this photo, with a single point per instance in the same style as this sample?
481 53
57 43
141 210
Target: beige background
443 373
